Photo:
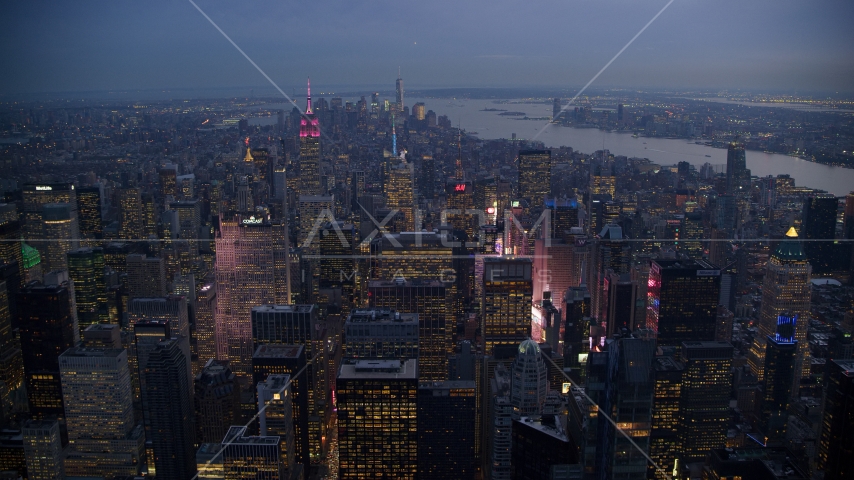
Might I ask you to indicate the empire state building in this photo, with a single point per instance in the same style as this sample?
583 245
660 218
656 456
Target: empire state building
309 151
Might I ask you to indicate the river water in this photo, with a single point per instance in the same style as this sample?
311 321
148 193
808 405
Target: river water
470 116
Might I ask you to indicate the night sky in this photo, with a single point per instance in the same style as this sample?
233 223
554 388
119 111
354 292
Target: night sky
771 45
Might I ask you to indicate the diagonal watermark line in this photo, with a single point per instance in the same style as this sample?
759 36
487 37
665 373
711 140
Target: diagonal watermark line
254 417
606 65
255 64
648 458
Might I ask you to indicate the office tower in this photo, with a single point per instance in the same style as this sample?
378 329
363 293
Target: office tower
706 390
399 93
337 264
171 308
737 174
412 256
620 301
553 269
169 181
245 456
276 419
556 108
216 401
564 217
377 419
381 333
498 426
86 270
445 424
754 461
10 245
836 451
60 234
35 196
146 276
170 410
299 325
89 212
461 214
102 335
541 448
399 194
309 151
314 211
575 307
609 251
209 461
682 300
290 360
603 182
130 214
628 400
12 456
781 353
430 300
104 438
506 306
785 289
529 380
251 269
43 450
11 358
47 329
535 173
205 331
664 446
723 332
818 223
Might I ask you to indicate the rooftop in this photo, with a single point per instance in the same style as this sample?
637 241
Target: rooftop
381 315
276 350
387 369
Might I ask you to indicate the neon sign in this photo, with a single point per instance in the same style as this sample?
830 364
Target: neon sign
43 187
460 187
252 220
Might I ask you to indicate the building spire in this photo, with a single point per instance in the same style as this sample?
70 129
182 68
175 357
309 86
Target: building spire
393 138
308 98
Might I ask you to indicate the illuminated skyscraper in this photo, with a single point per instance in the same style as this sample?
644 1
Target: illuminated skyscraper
251 269
412 255
381 333
245 456
169 181
377 419
399 195
86 270
446 418
43 450
399 89
529 382
89 212
314 211
430 301
682 301
37 195
130 214
11 359
103 437
507 300
786 289
460 201
705 397
535 177
781 353
664 438
737 174
205 331
309 151
60 234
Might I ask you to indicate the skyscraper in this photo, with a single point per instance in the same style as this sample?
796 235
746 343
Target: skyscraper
35 196
430 301
818 223
781 353
399 194
445 424
399 89
785 289
170 411
276 418
377 419
146 276
737 174
309 151
216 401
507 297
130 214
205 332
47 329
245 456
836 452
60 234
682 300
705 397
535 177
86 270
529 380
103 436
664 437
251 269
43 450
89 212
381 333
